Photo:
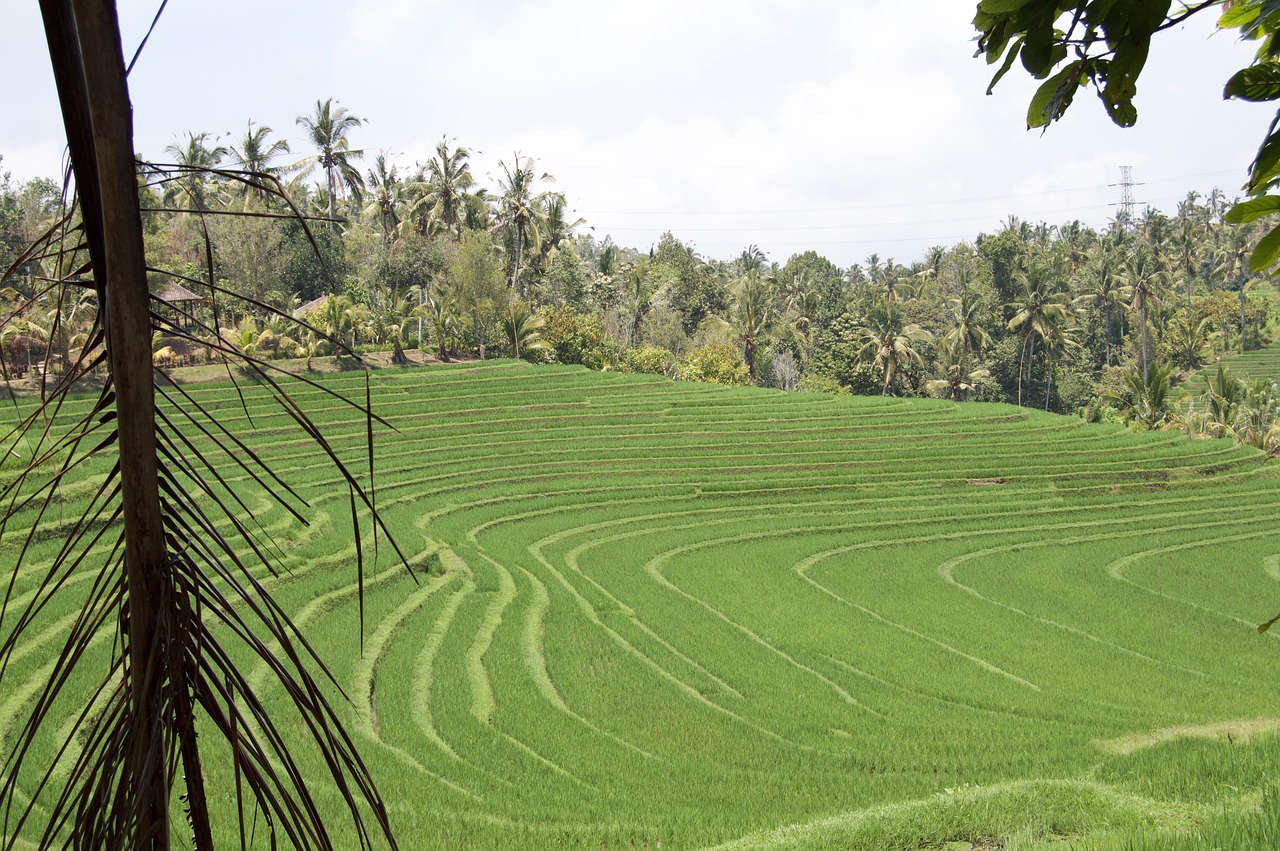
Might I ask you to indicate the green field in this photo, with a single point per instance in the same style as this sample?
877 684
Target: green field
645 612
1256 363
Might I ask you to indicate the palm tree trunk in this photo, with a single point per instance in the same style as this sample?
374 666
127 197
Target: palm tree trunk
1106 328
1142 319
84 45
333 198
515 272
1022 360
1243 341
1048 386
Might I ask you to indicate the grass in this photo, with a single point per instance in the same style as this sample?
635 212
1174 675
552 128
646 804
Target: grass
647 612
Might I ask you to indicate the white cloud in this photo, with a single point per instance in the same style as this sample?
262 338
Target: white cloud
848 127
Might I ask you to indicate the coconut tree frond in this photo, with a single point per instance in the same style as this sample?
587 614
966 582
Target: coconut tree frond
523 330
1149 402
163 553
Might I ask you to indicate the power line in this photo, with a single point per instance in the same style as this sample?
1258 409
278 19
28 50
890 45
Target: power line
862 225
892 206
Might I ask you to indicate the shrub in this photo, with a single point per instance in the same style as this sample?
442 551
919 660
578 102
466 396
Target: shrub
715 364
576 338
650 360
813 383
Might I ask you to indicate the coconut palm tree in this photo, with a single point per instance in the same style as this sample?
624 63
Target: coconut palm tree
384 199
194 160
1103 287
752 259
557 228
254 155
520 208
1039 315
1222 398
444 186
966 334
1231 270
957 381
522 329
1149 403
443 312
888 342
752 315
1145 280
389 317
327 130
1060 340
1189 341
1257 423
1186 249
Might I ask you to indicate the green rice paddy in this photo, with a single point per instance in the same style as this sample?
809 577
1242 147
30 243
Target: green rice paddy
645 614
1261 363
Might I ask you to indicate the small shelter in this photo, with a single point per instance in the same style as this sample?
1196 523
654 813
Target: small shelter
182 300
312 307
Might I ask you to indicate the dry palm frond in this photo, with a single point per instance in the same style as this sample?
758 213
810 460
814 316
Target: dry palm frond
169 591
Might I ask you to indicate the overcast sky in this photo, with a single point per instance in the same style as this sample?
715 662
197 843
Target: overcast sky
849 127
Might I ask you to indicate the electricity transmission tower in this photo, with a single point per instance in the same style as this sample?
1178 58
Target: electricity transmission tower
1126 203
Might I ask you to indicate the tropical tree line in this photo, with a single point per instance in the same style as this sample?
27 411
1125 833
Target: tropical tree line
1064 318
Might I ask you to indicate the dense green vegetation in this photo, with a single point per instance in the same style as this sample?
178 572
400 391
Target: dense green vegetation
1055 317
641 611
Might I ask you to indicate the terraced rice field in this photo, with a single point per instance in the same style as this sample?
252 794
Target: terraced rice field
649 613
1255 363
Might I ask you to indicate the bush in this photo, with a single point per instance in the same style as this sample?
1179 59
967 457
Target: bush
576 338
822 384
650 360
715 364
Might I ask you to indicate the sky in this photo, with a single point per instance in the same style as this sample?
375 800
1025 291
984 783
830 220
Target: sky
851 127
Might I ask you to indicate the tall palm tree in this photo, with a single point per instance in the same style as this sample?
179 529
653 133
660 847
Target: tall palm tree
520 209
1186 249
327 130
194 160
1189 340
254 155
167 572
752 259
1039 315
1103 287
957 380
1060 340
1231 269
384 201
752 314
970 337
1223 396
445 187
1145 280
389 318
557 228
888 341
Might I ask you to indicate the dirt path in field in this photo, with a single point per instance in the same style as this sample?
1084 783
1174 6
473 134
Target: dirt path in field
1234 731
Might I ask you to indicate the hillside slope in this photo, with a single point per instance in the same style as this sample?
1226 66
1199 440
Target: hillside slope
643 612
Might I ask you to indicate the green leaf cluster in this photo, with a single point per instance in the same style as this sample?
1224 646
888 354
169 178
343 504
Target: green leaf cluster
1105 43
